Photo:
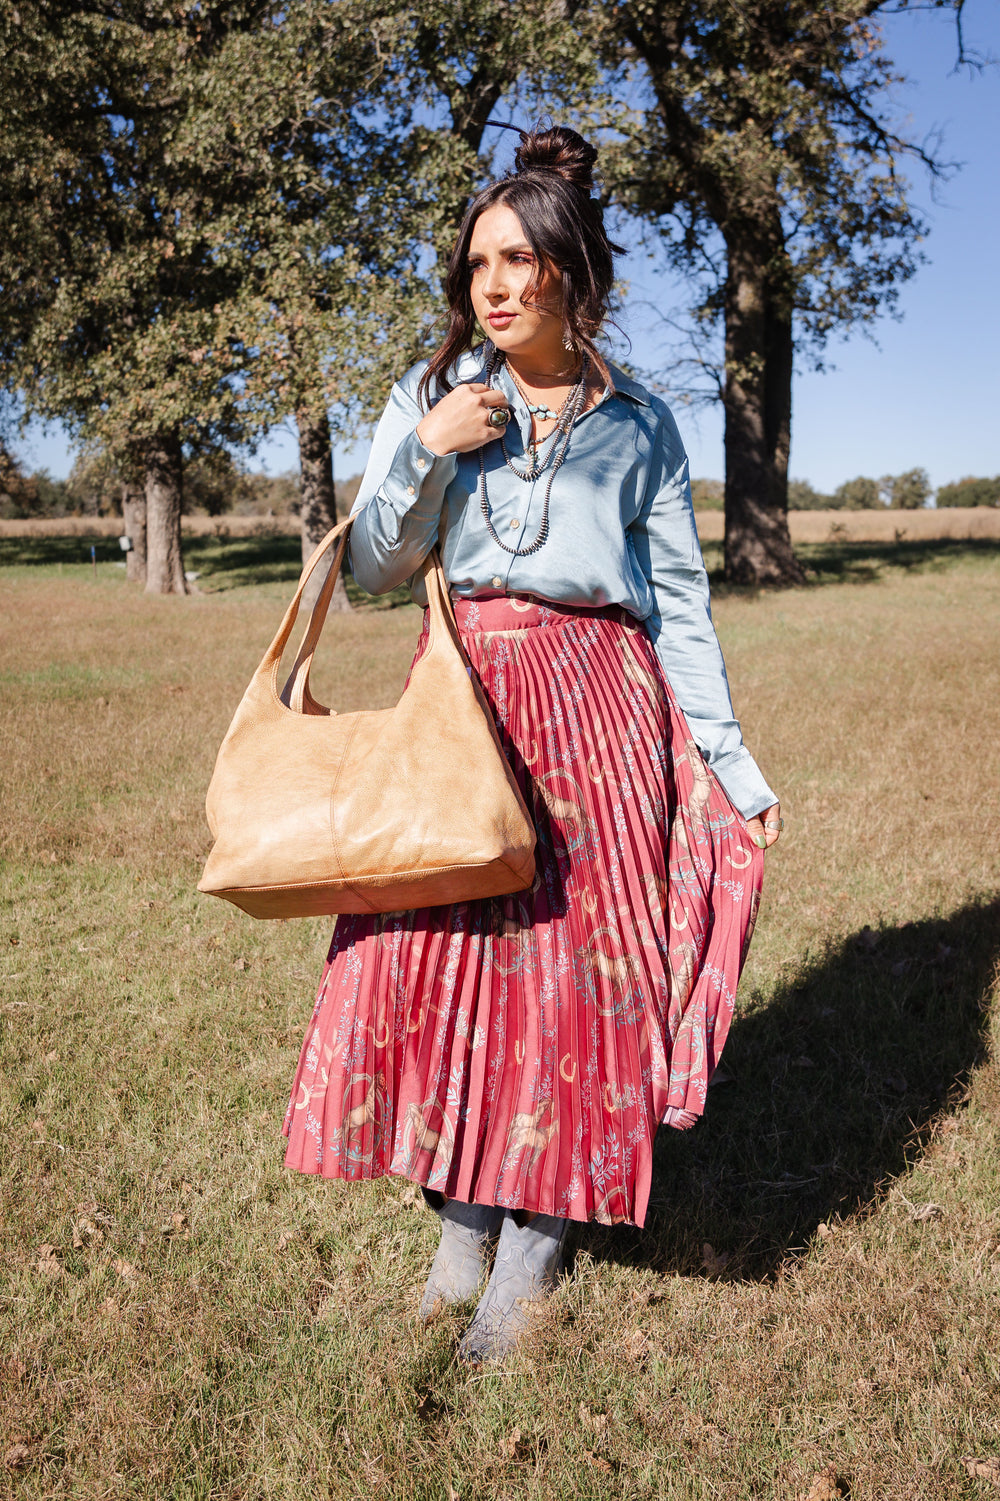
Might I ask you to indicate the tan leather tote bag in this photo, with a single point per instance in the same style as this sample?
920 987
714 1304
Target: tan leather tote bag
317 812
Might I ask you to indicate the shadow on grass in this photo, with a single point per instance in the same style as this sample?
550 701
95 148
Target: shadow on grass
840 561
829 1090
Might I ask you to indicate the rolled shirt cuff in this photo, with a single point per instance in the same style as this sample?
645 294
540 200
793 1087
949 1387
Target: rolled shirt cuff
743 782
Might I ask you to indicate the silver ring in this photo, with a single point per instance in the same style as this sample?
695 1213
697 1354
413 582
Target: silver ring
774 823
499 417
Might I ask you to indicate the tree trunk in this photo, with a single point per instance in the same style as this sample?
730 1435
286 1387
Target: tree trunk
164 490
134 520
758 407
319 505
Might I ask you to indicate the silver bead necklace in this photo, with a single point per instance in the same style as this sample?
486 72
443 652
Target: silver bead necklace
567 415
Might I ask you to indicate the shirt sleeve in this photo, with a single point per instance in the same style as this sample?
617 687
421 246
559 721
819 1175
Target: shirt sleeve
666 547
398 507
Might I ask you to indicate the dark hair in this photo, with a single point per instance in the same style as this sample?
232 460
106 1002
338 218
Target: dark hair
550 192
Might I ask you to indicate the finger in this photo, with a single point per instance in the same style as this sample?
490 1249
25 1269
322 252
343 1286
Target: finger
755 829
772 823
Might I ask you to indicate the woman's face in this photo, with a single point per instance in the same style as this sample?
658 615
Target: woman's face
502 268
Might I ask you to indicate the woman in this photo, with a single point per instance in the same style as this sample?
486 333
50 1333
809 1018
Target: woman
515 1056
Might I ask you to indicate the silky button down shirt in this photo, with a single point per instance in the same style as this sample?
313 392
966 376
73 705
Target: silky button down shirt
621 532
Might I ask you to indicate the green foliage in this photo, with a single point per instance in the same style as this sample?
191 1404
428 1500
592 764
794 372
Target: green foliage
772 127
708 494
24 495
859 494
970 492
906 492
802 497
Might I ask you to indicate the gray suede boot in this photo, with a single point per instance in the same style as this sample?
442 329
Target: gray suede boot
527 1264
468 1232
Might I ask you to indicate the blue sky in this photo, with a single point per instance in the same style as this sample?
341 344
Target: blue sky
925 393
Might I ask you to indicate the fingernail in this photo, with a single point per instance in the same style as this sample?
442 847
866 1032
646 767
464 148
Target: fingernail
760 841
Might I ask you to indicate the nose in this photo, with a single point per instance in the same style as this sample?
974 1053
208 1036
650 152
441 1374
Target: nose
494 283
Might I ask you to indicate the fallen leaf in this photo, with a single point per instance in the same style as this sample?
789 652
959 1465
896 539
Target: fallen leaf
509 1445
636 1345
825 1486
125 1269
239 964
714 1262
823 1230
52 1057
110 1308
285 1239
177 1227
921 1213
18 1456
983 1469
48 1261
595 1421
38 1126
86 1233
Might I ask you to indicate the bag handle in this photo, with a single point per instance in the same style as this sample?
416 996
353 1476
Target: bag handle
295 694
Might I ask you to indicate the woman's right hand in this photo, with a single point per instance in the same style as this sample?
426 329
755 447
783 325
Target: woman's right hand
460 422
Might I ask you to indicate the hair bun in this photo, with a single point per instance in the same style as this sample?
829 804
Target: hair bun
561 150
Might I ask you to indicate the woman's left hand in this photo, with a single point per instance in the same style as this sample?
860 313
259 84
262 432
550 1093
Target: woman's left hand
765 827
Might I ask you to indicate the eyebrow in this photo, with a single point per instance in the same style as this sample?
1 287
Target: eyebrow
507 250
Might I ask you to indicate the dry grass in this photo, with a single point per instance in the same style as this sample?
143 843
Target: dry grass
875 526
812 1309
805 526
111 526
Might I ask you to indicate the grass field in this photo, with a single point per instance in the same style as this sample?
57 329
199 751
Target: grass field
812 1310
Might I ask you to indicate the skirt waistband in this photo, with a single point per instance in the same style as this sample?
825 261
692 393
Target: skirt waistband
514 612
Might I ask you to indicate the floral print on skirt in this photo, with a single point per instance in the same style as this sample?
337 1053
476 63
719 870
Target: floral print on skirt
522 1050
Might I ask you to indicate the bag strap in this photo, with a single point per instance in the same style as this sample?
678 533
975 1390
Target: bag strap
443 625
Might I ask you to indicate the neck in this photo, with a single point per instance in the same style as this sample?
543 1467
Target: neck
541 372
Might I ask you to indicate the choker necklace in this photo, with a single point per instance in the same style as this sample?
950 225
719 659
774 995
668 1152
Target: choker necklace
570 410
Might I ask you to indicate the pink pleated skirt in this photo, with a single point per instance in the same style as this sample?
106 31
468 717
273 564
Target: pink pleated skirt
523 1050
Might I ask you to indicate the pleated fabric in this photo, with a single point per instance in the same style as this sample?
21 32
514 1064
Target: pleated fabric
523 1050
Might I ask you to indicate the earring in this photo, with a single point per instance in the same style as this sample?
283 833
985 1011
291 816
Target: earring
568 344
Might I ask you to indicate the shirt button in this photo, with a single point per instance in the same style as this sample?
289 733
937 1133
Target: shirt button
514 524
410 490
421 463
497 583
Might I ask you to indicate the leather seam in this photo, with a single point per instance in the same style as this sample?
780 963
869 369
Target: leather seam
397 875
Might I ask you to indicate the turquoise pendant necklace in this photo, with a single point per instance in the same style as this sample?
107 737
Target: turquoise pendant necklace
539 409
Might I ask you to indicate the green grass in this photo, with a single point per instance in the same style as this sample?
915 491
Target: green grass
210 1326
